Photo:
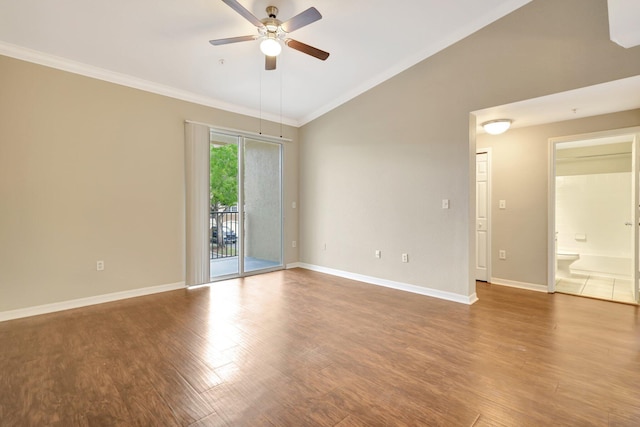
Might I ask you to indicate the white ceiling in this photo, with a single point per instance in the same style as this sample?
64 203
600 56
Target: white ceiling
162 46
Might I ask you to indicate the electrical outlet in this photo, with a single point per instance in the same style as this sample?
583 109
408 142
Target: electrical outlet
294 244
502 204
502 254
99 265
445 203
405 257
378 254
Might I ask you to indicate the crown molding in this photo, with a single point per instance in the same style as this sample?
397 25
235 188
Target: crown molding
64 64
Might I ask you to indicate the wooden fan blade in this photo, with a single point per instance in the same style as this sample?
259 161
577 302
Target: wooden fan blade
219 42
244 12
269 62
302 19
305 48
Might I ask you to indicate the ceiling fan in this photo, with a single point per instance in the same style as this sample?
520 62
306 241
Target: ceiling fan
272 32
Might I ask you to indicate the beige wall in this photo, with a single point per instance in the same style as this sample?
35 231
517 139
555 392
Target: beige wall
90 171
519 174
374 171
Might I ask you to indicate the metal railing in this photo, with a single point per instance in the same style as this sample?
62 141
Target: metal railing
224 244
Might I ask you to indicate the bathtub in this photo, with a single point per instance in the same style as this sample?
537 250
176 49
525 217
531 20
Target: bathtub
605 266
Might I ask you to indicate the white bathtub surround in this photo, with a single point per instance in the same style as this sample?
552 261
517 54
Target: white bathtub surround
605 266
592 216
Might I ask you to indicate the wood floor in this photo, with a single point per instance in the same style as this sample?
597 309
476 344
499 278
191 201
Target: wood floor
299 348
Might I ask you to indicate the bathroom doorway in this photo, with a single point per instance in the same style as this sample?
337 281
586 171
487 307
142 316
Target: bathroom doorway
593 215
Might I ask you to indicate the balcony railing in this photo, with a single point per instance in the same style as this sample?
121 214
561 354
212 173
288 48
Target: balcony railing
223 244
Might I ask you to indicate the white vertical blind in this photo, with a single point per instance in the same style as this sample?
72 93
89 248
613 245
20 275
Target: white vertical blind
197 200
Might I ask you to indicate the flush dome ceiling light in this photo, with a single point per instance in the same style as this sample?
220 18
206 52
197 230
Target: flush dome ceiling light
496 127
270 47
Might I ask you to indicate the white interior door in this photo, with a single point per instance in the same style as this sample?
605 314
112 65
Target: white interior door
483 248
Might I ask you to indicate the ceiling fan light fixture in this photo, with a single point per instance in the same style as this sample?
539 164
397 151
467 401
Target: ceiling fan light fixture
270 47
496 127
272 32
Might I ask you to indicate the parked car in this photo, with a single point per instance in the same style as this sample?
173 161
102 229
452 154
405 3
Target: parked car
228 235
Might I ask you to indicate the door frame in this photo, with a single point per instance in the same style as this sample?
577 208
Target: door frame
551 201
241 138
489 211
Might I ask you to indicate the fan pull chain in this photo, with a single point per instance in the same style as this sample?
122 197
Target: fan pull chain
260 115
281 68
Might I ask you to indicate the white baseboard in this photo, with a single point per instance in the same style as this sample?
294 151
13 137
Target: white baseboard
435 293
83 302
293 265
100 299
520 285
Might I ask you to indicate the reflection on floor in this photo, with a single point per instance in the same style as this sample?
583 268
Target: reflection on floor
226 266
596 287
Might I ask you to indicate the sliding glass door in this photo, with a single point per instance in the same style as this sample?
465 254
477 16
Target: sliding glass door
262 205
245 225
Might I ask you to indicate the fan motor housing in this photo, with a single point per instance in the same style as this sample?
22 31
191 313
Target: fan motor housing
272 11
271 23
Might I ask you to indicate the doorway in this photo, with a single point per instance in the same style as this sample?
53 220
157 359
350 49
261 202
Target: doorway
593 216
245 193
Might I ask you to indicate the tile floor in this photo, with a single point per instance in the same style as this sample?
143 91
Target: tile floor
596 287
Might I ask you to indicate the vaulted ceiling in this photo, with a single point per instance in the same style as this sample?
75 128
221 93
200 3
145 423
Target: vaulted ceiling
162 46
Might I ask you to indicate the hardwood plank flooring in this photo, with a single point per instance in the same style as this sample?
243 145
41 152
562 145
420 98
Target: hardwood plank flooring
300 348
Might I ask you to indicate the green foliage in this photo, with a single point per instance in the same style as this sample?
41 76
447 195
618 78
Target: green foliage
224 175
